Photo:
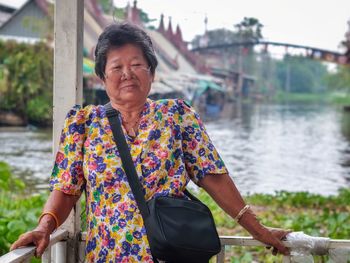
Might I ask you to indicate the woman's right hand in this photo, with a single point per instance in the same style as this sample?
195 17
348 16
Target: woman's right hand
38 237
59 204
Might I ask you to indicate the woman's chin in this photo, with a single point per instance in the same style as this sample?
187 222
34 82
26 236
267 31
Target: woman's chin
132 96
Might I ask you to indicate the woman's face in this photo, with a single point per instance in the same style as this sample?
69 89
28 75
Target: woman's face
128 77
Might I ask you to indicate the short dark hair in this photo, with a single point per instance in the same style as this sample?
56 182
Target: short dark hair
117 35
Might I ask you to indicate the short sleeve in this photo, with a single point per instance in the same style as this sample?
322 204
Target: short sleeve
201 157
67 173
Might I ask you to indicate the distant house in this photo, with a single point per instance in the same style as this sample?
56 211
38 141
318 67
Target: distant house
21 26
24 25
5 13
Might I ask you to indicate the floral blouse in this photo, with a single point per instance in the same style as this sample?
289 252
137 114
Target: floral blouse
171 148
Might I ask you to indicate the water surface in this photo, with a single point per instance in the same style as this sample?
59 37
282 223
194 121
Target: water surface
266 148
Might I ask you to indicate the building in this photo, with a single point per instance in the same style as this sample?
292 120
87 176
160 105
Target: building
33 21
5 13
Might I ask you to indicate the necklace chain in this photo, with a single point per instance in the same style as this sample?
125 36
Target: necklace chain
131 126
133 122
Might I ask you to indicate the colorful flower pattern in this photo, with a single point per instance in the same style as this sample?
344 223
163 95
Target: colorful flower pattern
171 148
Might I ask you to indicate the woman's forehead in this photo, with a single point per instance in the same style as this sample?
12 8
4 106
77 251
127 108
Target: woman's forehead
126 52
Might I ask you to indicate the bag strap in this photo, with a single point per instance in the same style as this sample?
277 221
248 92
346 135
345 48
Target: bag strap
127 162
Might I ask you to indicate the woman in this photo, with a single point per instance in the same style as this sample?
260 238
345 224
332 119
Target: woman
168 144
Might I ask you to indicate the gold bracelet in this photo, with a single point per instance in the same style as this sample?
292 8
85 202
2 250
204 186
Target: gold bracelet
51 214
241 213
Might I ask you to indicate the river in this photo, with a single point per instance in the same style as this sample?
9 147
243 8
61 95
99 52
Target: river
267 148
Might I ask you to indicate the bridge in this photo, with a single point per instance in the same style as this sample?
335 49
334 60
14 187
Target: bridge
311 52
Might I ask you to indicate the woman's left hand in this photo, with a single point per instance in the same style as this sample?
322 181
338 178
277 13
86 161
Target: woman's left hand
274 238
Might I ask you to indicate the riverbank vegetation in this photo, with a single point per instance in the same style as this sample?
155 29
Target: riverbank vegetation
19 210
26 80
311 213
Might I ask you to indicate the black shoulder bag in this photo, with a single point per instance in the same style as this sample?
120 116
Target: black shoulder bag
178 230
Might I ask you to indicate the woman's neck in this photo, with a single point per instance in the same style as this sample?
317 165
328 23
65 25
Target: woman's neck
129 110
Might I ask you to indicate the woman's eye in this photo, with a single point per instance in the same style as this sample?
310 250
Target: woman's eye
117 68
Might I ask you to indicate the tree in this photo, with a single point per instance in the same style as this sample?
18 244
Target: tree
215 37
300 75
250 29
346 43
340 80
107 6
26 88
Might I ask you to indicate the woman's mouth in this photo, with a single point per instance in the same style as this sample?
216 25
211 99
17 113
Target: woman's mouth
128 87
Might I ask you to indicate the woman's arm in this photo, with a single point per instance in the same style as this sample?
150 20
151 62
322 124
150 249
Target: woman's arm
59 204
223 190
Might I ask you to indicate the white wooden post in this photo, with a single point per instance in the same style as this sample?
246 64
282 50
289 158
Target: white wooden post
286 259
46 257
220 258
68 91
61 252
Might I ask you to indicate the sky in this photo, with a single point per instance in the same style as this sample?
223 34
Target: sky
315 23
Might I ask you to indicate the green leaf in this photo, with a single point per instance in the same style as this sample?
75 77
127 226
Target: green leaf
17 225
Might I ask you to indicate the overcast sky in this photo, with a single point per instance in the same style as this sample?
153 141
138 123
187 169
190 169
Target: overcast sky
316 23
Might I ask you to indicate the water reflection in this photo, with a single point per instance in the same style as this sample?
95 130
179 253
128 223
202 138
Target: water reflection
283 147
29 152
265 147
345 130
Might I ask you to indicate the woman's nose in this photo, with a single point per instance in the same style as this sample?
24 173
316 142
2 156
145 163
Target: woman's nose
126 73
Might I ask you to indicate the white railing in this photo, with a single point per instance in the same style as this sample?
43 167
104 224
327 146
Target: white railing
249 241
58 241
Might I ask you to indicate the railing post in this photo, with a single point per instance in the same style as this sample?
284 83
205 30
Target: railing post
220 258
61 252
46 257
286 259
68 91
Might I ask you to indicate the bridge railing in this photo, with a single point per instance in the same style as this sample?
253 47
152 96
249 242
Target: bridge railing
57 250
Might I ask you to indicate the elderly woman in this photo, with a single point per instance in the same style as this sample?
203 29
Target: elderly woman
168 144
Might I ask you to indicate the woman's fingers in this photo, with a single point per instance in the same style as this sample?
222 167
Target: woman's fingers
40 247
38 238
23 240
279 247
279 233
